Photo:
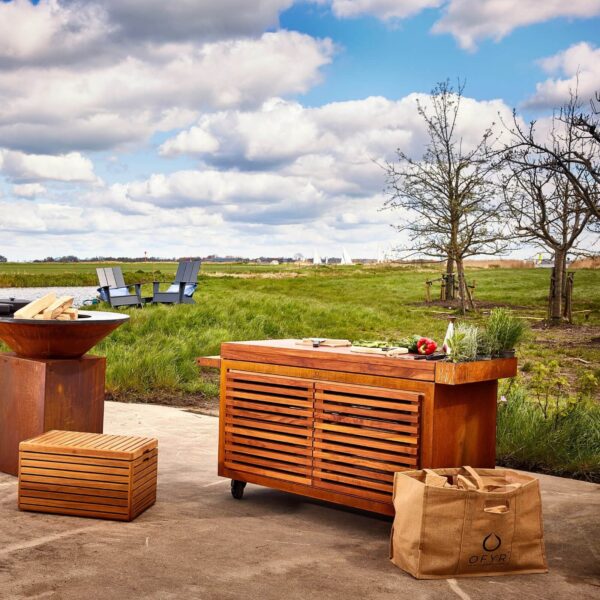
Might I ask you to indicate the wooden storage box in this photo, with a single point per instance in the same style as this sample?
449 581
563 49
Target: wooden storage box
88 474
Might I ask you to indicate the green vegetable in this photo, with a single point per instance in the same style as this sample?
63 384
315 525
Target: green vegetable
409 342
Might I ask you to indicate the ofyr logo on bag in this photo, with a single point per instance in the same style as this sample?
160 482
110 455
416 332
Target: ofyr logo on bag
490 544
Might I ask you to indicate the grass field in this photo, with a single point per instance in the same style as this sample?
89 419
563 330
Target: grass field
151 359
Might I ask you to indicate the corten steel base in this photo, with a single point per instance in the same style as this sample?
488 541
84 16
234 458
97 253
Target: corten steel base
37 395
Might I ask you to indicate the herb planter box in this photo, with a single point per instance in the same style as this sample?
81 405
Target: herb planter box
336 425
88 475
470 372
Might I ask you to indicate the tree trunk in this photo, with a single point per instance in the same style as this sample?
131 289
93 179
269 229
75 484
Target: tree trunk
449 291
464 299
558 283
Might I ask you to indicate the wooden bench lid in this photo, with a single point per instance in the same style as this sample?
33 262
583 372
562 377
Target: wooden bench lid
99 445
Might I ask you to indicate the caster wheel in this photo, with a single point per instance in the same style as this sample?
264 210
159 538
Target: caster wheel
237 489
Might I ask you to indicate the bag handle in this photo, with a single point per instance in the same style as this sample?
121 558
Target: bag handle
496 506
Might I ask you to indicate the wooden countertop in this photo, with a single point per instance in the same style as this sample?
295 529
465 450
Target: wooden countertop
288 352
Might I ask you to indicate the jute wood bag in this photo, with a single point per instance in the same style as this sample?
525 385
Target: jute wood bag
467 522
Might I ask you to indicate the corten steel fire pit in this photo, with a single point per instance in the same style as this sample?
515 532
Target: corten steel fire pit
30 338
49 382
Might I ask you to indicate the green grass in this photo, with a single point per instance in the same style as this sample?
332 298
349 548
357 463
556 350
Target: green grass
152 358
568 446
61 274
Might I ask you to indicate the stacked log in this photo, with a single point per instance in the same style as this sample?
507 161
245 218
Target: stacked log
49 307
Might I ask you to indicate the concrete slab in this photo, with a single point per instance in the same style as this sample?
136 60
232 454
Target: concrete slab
198 542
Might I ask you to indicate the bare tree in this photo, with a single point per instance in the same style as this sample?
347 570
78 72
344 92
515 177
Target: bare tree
449 197
573 151
543 193
545 211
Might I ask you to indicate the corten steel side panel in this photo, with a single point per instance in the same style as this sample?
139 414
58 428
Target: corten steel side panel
40 395
22 384
464 425
75 394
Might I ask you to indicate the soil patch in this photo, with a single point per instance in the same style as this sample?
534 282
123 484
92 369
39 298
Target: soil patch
198 403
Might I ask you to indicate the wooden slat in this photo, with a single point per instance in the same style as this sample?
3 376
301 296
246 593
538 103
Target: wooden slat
354 491
267 435
360 432
366 390
143 489
90 506
69 459
353 481
269 426
236 375
362 422
261 462
270 408
325 465
58 473
237 413
267 472
26 494
233 440
88 483
353 409
210 362
64 466
282 456
85 491
345 440
284 400
404 406
268 388
398 463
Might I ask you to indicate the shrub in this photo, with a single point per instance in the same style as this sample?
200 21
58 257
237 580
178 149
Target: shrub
543 428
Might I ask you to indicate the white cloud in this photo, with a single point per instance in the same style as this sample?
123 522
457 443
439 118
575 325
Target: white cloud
108 73
383 9
61 109
72 167
74 32
470 21
576 68
28 190
351 134
301 165
186 19
48 31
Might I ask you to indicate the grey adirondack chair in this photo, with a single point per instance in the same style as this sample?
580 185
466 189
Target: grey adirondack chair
115 291
181 291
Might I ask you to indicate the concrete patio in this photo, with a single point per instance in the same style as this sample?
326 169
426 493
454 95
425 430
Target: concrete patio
198 542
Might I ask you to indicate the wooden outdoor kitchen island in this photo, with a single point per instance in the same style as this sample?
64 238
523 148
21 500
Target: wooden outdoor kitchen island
335 425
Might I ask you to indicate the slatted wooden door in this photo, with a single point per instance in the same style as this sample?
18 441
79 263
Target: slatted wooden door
363 435
269 425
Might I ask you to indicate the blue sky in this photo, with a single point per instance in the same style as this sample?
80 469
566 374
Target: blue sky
392 60
250 128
